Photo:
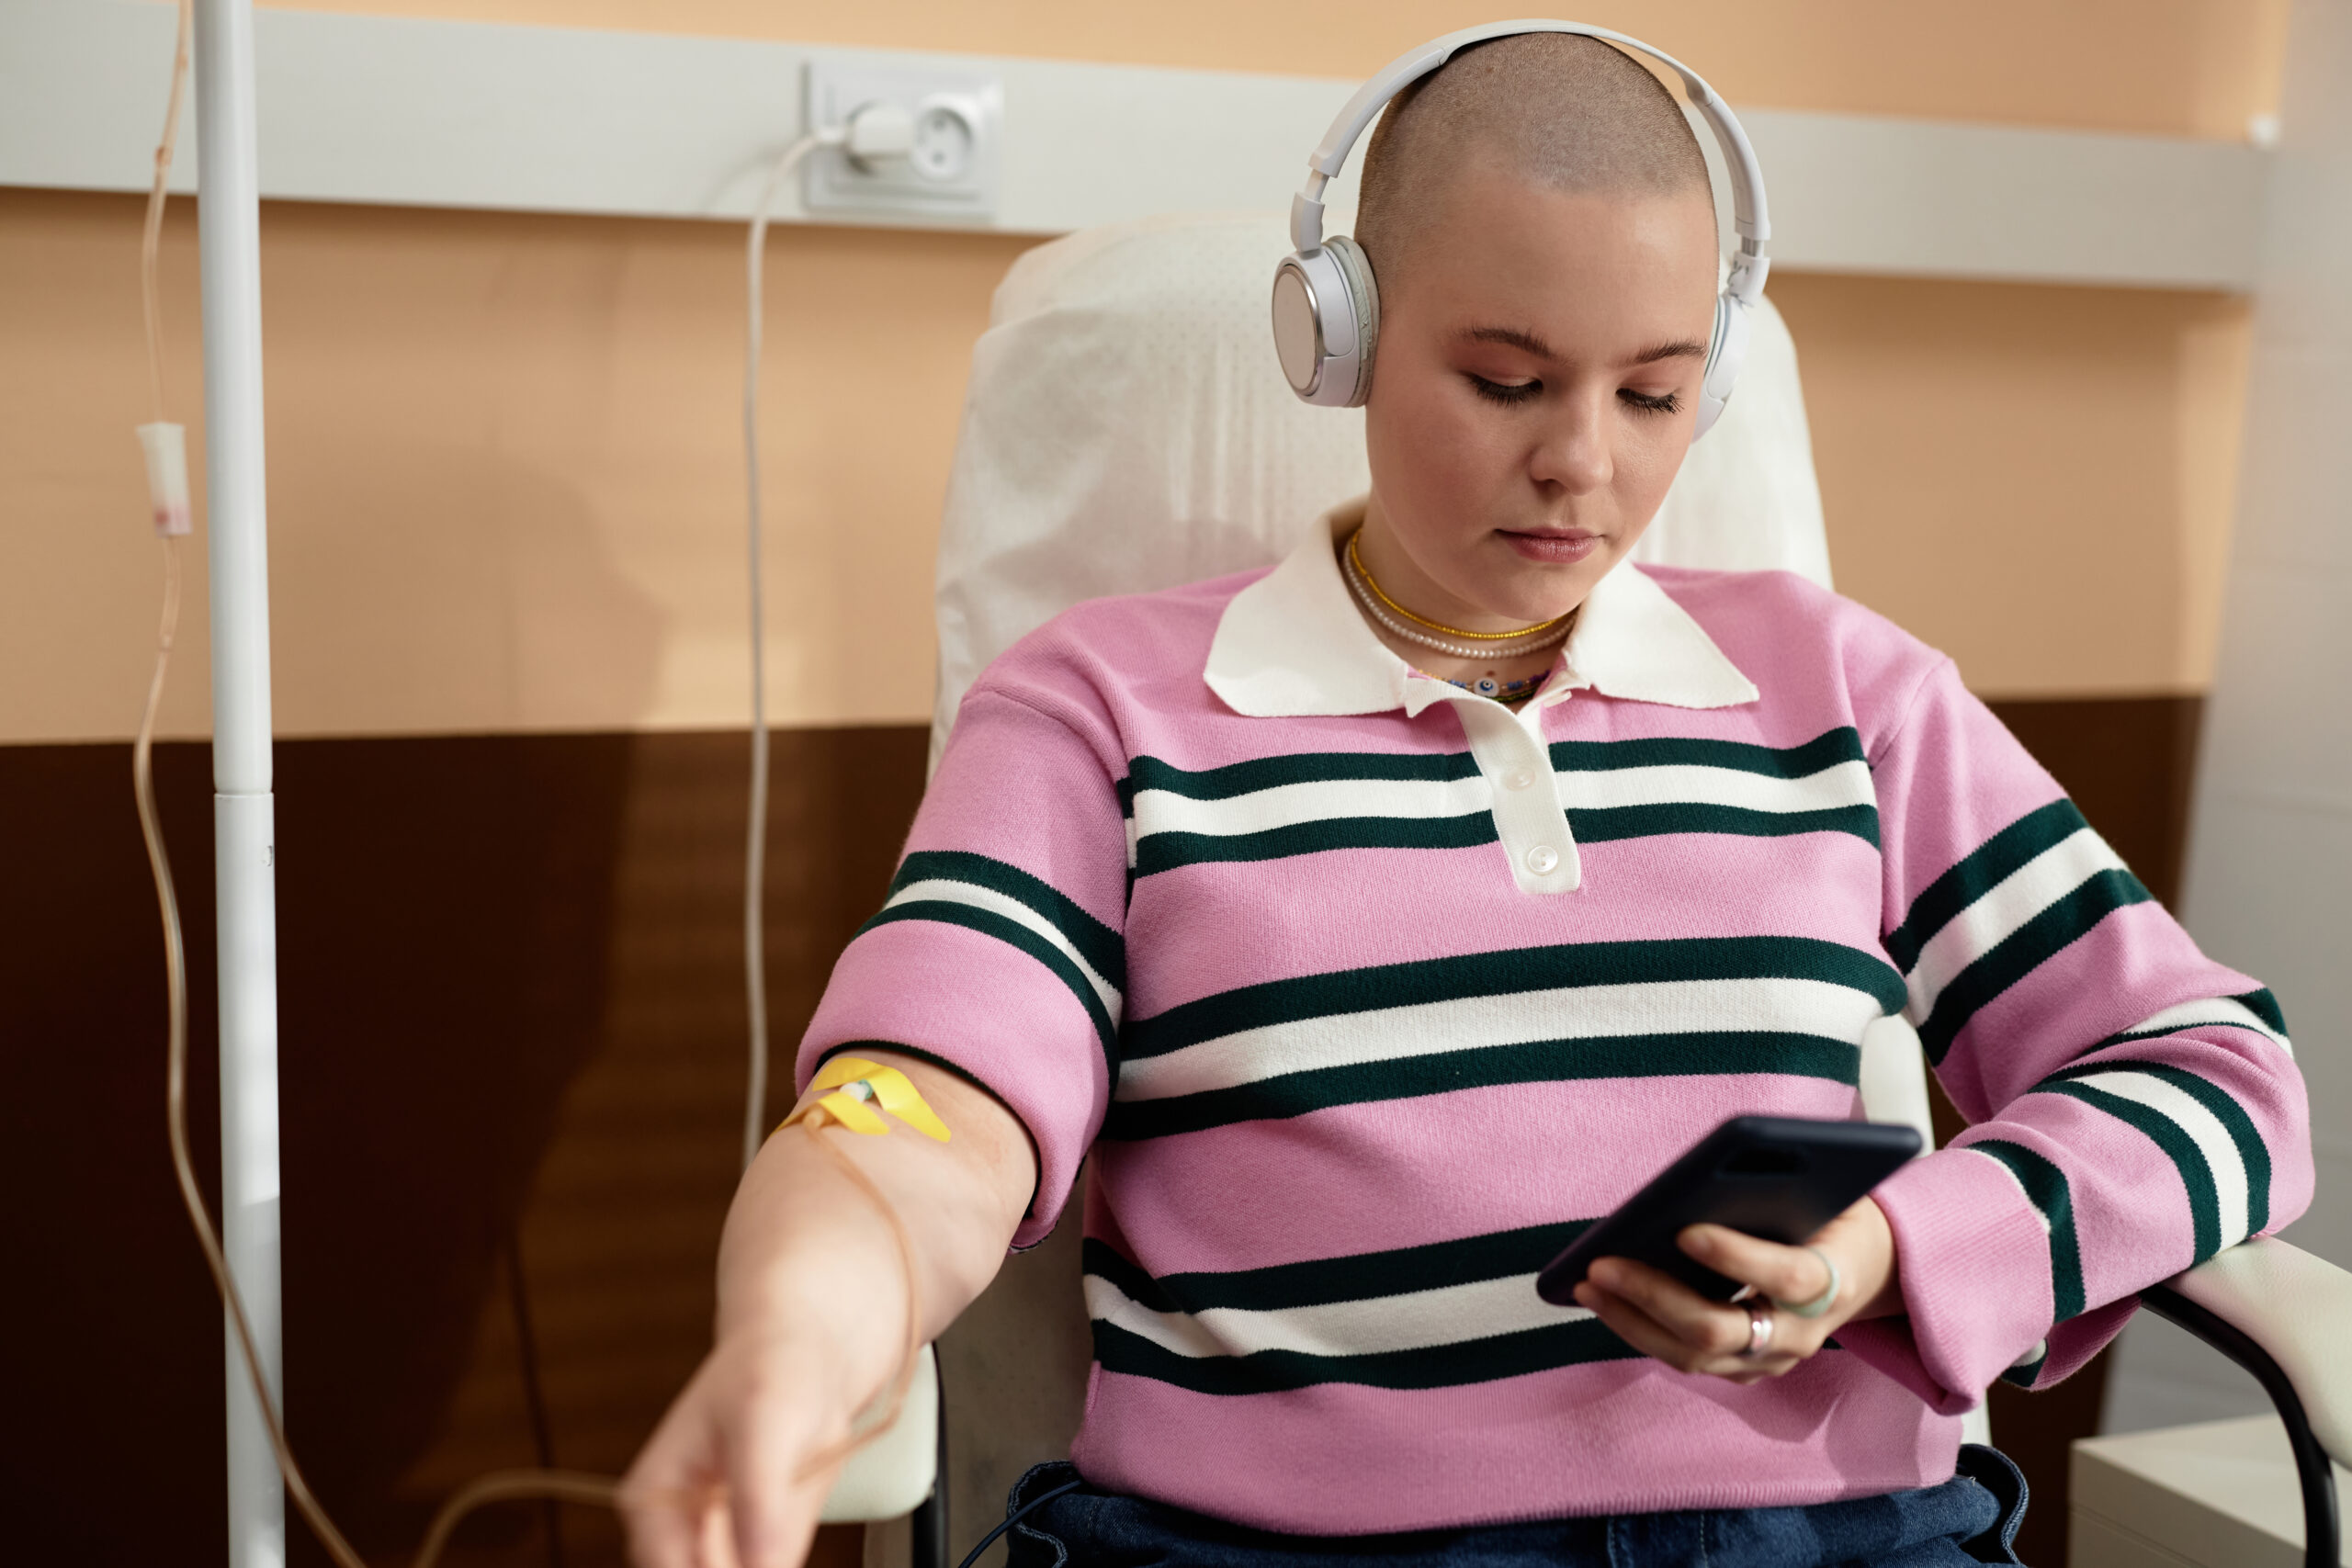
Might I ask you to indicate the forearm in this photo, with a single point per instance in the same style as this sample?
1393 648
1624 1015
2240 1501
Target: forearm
807 1254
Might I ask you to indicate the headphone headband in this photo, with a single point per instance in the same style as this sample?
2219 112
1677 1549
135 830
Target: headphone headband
1749 218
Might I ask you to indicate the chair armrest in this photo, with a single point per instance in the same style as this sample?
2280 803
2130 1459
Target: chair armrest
894 1473
2283 1314
2298 1308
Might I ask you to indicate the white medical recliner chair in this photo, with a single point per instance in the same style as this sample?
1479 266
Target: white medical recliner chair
1126 429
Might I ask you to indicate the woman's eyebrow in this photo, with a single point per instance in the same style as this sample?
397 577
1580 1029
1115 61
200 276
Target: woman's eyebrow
1521 338
1511 337
1681 348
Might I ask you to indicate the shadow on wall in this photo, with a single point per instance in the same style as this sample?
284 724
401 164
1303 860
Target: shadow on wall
445 926
541 626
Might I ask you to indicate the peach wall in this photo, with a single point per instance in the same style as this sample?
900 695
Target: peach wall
2035 479
2182 67
504 458
505 467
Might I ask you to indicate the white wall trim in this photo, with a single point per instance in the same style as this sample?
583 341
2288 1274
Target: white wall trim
399 112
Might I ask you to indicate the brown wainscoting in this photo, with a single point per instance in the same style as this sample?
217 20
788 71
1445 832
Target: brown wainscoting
512 1070
512 1032
2130 764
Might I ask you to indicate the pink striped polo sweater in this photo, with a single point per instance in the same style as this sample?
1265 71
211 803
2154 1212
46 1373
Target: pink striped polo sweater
1366 993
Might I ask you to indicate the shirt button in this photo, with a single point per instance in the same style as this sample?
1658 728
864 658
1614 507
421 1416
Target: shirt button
1518 778
1542 859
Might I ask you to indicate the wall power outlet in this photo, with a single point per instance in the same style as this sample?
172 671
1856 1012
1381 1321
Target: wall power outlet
950 169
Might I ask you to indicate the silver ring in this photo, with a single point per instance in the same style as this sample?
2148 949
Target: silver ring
1760 1330
1822 1303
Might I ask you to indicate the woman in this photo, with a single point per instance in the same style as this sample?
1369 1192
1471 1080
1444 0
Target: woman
1377 921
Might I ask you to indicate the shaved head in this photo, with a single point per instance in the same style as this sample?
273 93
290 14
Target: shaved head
1558 110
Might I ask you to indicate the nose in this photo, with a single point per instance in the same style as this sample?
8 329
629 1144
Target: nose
1573 448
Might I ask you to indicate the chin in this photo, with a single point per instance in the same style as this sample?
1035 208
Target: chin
1537 590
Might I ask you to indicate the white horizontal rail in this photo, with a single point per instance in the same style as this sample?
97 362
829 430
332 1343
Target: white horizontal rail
406 112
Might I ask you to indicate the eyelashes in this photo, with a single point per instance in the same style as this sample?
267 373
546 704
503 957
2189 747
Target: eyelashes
1509 394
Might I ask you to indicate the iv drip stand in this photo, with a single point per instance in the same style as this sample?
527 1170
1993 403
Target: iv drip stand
236 519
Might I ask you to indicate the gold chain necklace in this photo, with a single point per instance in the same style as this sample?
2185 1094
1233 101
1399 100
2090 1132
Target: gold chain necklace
1356 557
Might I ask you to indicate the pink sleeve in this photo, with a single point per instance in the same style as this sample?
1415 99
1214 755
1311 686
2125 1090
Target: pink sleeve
999 954
2133 1107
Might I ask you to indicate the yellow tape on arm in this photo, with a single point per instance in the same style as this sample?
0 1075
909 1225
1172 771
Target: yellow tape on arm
887 1087
850 1113
901 1099
845 1069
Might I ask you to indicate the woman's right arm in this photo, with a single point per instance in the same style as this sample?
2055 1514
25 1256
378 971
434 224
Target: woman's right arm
812 1319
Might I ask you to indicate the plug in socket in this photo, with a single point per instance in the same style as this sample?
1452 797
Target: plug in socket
946 165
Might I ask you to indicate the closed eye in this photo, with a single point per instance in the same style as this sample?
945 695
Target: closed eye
1504 392
1661 402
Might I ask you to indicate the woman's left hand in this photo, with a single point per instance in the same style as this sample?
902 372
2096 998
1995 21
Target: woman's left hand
1660 1316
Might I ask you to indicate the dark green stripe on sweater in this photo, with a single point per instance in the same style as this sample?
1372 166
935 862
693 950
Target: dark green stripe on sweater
2062 922
2045 1187
1360 1276
1099 944
1487 1066
1509 972
1985 868
1438 1366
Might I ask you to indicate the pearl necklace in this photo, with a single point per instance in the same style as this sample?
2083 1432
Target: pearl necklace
1490 645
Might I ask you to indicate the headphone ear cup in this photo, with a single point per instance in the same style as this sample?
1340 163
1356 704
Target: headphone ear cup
1726 353
1363 300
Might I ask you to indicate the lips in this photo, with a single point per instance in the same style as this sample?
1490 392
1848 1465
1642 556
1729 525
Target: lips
1556 546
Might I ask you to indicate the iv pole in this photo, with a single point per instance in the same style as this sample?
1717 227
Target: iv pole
229 244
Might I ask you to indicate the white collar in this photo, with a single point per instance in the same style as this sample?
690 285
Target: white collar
1293 645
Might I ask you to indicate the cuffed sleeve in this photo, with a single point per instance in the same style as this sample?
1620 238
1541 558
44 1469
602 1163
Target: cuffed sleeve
2133 1107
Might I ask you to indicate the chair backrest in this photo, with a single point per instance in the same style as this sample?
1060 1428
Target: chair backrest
1126 429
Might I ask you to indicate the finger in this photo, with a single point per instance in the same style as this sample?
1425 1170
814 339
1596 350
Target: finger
1638 1329
1708 1327
663 1532
1783 1273
664 1495
771 1512
1645 1334
717 1537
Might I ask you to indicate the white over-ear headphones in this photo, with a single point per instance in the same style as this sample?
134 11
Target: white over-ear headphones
1327 307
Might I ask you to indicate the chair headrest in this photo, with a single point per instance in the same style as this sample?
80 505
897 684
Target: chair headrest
1127 428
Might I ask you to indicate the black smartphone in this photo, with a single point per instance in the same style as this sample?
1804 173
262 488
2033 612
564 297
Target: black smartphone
1780 1177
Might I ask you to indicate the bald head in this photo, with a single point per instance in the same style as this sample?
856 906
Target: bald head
1558 110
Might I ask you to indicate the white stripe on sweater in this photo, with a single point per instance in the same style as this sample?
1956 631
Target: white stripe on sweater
2207 1013
1847 783
1416 1321
947 890
2204 1128
1283 806
2007 905
1286 806
1573 1012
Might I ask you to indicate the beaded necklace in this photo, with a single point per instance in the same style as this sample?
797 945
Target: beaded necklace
1487 686
1460 644
1527 639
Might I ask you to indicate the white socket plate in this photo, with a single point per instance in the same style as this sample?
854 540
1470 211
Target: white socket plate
944 103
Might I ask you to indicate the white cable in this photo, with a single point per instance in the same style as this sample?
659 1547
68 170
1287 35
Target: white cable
755 840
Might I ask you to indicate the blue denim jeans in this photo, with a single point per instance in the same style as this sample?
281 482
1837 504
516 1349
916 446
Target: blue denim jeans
1973 1518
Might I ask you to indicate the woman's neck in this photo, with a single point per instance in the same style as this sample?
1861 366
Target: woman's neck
1384 558
1408 629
